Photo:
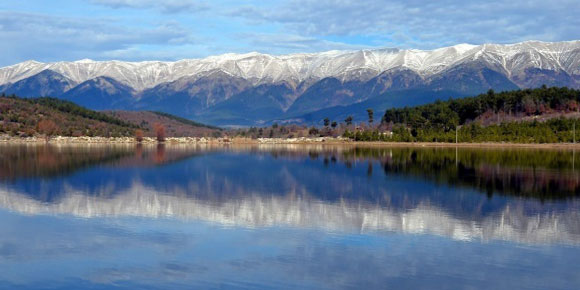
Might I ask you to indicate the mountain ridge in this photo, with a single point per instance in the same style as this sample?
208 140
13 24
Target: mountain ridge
299 66
252 88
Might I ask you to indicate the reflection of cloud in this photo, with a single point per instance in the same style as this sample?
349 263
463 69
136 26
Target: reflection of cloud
254 210
166 271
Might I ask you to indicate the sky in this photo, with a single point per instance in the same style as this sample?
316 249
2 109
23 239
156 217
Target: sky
135 30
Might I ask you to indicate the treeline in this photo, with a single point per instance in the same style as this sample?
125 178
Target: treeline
522 116
74 109
446 115
185 121
276 131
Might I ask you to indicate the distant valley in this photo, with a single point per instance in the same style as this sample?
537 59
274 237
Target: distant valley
258 89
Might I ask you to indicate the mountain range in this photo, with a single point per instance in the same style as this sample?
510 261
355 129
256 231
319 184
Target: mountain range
256 89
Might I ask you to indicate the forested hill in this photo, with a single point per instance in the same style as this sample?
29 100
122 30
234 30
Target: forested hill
490 107
532 115
30 117
49 116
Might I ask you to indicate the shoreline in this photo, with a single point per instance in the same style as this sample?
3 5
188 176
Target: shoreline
275 141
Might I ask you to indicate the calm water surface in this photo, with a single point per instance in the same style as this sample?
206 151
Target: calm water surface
271 217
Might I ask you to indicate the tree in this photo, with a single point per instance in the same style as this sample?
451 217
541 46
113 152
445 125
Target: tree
312 131
348 120
47 128
326 122
334 124
159 132
370 112
139 135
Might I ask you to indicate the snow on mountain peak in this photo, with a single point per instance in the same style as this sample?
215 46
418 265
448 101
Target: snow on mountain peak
263 68
85 60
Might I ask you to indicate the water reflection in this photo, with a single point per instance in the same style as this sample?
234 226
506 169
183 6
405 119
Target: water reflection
434 191
511 223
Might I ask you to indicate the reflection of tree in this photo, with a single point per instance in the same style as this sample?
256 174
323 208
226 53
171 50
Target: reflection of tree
139 150
160 154
49 160
533 173
543 174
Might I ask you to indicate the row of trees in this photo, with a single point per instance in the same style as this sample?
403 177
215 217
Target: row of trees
158 129
348 121
76 110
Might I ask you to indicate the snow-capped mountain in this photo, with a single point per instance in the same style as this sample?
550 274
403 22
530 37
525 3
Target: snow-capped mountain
290 85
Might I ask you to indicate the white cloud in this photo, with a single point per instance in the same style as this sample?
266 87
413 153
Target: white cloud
167 6
144 29
36 36
424 24
282 43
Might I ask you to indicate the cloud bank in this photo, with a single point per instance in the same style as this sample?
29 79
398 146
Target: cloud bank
170 30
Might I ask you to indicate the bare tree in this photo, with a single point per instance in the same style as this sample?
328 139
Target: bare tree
159 132
46 127
139 135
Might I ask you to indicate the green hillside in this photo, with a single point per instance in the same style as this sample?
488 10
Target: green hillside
543 115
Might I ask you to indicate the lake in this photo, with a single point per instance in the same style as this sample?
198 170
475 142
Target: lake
288 216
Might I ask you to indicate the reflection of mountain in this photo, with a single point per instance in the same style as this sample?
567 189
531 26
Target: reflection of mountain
257 210
327 173
335 188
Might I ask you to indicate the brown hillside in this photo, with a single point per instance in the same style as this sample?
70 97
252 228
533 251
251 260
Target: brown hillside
25 117
173 127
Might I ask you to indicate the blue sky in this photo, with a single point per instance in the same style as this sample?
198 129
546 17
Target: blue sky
175 29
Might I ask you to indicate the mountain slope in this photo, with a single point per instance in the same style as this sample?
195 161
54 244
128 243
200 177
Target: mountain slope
100 93
234 89
174 126
43 84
